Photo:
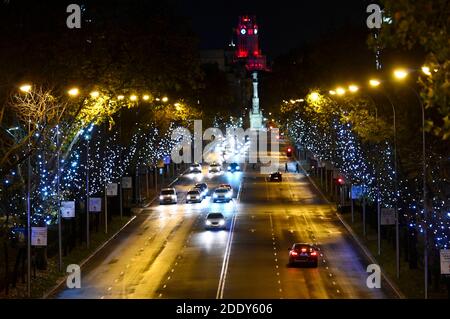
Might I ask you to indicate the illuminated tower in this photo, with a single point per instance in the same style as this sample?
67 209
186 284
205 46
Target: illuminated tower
249 52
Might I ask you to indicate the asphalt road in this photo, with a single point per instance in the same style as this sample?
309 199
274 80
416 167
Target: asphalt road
166 252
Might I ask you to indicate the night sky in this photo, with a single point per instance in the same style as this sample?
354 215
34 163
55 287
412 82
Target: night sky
283 24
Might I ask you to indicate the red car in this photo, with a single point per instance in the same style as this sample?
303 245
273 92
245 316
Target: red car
303 254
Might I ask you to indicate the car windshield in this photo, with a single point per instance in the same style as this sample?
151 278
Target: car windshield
193 193
200 185
168 192
215 215
214 165
222 190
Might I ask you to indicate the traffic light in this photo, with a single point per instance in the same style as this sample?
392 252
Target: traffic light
289 152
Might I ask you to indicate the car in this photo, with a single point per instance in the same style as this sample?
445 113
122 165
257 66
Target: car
203 188
234 167
215 221
168 196
301 253
215 168
275 177
226 186
194 196
221 194
195 168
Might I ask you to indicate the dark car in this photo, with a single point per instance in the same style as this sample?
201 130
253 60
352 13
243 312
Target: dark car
203 188
303 254
275 177
234 167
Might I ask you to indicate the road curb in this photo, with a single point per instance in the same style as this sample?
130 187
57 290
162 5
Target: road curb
96 251
369 255
393 286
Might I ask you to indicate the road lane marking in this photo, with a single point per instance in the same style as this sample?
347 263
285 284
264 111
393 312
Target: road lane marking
226 258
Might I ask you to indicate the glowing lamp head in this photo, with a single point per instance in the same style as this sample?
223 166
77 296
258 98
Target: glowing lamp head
73 92
400 74
94 94
340 91
146 97
165 99
353 88
374 82
25 88
426 70
120 97
332 92
314 96
133 98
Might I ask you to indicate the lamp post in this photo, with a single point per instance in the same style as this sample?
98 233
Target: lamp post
374 83
401 74
26 88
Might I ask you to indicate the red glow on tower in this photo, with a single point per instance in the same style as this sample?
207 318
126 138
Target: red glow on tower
248 44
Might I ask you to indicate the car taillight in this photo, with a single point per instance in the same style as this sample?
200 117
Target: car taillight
303 250
294 253
314 253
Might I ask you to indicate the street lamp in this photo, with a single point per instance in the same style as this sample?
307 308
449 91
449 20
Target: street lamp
120 97
165 99
73 92
426 70
400 74
146 97
374 83
314 96
133 98
26 88
332 92
353 88
340 91
95 94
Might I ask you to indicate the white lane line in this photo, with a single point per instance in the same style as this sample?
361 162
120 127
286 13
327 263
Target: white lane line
226 257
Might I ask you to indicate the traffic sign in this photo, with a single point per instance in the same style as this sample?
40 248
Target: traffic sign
357 191
445 261
126 182
39 236
111 189
95 204
387 216
67 209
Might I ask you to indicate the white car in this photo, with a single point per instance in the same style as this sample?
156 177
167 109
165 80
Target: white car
222 194
194 196
215 221
215 168
195 168
168 196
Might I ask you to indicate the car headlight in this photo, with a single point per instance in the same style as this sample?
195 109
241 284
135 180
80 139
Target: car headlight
191 168
215 195
208 222
161 197
188 196
229 168
174 196
237 167
222 222
228 195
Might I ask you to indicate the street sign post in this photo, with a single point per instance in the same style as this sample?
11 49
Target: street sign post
357 191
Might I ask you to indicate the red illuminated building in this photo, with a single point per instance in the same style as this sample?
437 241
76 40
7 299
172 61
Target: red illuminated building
248 44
